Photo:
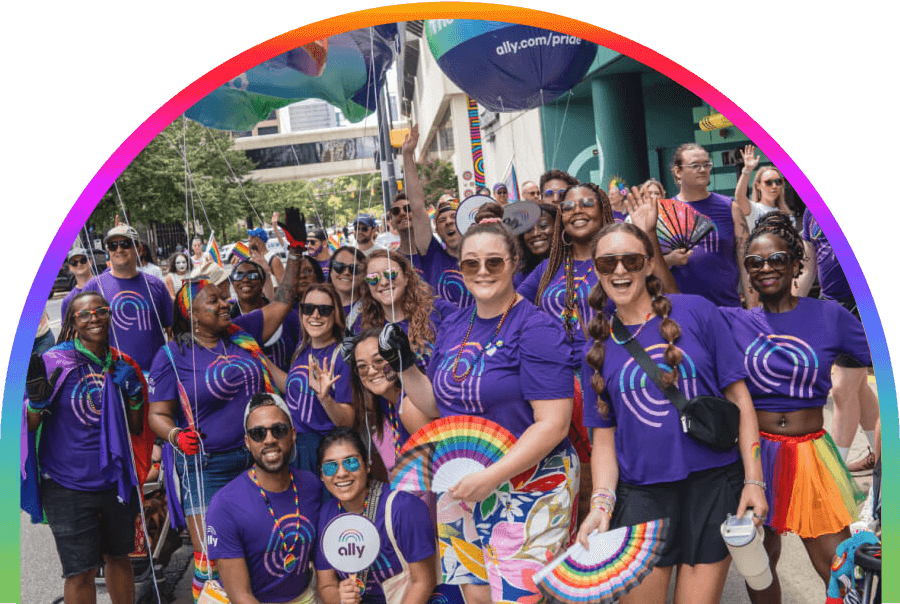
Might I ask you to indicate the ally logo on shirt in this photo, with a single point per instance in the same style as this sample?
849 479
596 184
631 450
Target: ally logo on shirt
212 539
130 311
289 544
230 374
774 361
643 398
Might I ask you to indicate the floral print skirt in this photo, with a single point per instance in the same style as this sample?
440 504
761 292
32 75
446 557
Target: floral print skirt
505 539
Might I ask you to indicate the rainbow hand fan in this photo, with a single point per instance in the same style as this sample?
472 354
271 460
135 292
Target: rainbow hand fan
617 562
442 453
679 226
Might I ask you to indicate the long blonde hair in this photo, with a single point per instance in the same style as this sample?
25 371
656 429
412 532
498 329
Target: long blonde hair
755 193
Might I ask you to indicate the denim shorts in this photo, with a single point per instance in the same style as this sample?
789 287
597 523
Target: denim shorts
87 525
203 474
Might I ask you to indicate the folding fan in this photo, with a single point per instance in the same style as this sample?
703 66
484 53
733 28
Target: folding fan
442 453
617 562
679 226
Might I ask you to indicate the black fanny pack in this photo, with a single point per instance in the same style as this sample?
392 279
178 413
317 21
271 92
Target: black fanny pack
712 420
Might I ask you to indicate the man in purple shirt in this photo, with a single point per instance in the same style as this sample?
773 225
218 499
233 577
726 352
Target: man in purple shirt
261 527
140 303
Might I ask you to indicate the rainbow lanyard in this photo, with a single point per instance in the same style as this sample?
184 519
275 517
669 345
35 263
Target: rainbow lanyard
272 512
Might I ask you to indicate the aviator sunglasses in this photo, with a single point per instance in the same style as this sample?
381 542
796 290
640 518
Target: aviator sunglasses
776 261
258 433
351 464
552 192
374 278
493 264
606 265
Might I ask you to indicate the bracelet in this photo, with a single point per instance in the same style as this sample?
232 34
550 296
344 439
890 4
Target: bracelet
137 406
169 438
758 483
746 171
598 489
611 498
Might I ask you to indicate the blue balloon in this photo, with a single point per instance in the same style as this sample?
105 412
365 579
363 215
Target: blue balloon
505 66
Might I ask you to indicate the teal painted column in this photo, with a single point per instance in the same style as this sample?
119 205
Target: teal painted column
619 127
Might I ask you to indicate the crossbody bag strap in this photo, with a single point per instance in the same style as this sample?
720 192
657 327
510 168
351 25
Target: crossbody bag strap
389 522
675 396
375 490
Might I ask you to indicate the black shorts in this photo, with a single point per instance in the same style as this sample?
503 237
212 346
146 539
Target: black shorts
87 525
696 507
845 360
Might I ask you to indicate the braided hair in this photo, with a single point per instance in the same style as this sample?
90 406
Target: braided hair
780 225
561 250
599 326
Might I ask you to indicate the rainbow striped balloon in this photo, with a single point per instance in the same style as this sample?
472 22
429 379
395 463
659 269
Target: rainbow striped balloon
617 562
442 453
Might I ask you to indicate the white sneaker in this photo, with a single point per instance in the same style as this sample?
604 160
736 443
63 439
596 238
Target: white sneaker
865 515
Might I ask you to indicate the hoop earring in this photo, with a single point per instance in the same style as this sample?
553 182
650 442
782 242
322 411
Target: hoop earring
564 240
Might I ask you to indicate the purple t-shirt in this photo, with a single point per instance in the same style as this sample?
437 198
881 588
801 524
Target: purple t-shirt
650 444
788 355
141 308
239 524
832 280
219 383
619 216
712 271
529 359
307 412
413 530
442 274
70 440
281 346
68 300
553 300
324 265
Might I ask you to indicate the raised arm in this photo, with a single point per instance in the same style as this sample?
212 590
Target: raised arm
421 223
808 275
741 201
644 212
393 346
741 234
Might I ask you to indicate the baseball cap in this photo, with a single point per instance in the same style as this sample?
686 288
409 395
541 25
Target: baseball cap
500 185
122 230
258 401
365 219
76 251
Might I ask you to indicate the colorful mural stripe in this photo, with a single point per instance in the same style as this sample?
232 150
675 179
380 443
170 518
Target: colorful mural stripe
475 136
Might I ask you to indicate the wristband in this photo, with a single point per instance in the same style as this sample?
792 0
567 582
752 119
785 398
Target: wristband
758 483
137 406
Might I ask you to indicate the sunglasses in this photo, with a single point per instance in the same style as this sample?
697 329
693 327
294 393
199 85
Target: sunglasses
773 182
351 464
697 167
77 262
606 265
552 192
258 433
101 312
249 276
502 192
380 367
374 278
395 211
569 205
125 244
325 310
343 267
493 264
776 261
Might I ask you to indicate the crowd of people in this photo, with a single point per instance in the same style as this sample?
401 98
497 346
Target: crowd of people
283 391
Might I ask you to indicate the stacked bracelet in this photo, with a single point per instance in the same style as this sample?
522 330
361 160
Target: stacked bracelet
758 483
171 433
603 499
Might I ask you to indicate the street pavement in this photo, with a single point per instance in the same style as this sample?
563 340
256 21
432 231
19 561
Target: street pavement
41 570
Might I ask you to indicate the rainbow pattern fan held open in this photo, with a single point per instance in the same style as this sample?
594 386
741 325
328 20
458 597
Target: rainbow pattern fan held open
442 453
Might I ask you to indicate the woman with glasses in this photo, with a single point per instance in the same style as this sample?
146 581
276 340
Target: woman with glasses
789 346
406 555
201 383
394 293
767 196
249 279
711 270
347 273
644 465
86 396
505 361
317 385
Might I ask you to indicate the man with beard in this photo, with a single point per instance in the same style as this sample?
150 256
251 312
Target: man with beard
437 266
261 526
364 230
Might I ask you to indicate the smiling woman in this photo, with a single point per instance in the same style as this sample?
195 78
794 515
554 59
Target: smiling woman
405 568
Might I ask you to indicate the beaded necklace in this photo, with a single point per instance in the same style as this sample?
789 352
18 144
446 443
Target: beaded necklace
459 378
570 317
634 335
288 558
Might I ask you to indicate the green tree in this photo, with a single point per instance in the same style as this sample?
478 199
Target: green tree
437 178
187 173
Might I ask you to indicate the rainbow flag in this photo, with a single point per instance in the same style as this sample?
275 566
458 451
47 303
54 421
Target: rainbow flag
213 250
432 211
511 181
334 241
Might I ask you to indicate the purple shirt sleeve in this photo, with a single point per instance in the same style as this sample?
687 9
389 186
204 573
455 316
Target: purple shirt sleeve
252 323
529 286
412 527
